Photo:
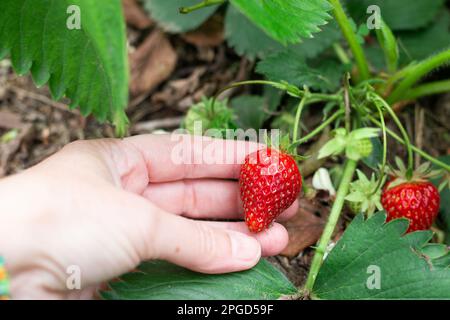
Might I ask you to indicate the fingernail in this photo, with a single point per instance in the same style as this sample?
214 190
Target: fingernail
244 248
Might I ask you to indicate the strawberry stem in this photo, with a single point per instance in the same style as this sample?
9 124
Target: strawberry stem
423 154
350 36
383 164
298 114
319 129
290 89
376 98
335 213
416 72
201 5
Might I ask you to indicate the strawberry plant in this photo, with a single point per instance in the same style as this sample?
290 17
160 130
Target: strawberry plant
360 69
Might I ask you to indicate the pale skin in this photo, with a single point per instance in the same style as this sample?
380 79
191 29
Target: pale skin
107 205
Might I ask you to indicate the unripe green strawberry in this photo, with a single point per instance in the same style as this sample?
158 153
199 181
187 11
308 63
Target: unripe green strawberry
269 183
364 147
204 116
354 207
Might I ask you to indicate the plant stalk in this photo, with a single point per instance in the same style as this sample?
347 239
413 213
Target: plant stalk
298 115
319 129
350 36
423 154
416 72
338 204
405 136
428 89
200 5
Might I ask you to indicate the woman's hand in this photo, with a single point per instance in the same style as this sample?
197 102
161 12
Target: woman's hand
101 207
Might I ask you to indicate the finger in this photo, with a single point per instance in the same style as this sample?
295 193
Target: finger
176 157
272 240
203 198
200 247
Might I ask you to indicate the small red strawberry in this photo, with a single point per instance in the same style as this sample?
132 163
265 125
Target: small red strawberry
269 183
416 199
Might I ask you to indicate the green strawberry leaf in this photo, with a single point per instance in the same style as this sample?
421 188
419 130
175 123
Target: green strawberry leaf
166 13
89 65
286 20
158 280
444 213
291 66
246 38
321 41
250 111
374 260
398 14
422 43
415 45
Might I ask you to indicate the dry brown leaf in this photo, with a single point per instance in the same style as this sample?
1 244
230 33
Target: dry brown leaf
210 34
305 227
152 63
135 16
10 120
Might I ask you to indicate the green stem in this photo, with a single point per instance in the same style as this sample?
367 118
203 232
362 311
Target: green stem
319 129
342 192
427 89
201 5
298 114
292 90
350 36
416 73
384 160
341 54
423 154
391 112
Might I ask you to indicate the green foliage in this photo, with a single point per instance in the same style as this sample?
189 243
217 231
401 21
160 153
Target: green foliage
398 14
319 42
389 46
405 272
286 20
246 38
421 43
375 159
167 15
350 143
209 114
444 213
89 66
291 66
159 280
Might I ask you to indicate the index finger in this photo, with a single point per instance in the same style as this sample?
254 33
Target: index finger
174 157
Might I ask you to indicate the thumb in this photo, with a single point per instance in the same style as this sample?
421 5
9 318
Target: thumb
203 248
192 244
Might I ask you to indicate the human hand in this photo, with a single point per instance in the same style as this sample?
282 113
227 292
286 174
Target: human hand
106 205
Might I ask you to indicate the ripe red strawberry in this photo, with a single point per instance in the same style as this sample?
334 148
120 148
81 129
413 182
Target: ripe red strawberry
415 198
269 183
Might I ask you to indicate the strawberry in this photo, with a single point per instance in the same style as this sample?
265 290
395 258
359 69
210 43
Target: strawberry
416 199
269 183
